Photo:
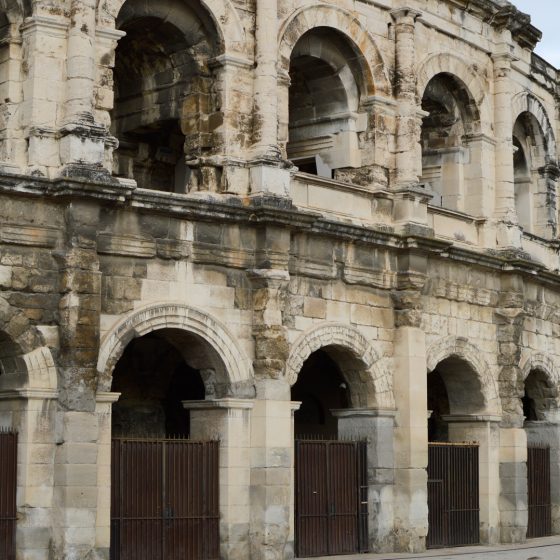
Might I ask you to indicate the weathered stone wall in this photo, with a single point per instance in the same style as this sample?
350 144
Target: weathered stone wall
248 267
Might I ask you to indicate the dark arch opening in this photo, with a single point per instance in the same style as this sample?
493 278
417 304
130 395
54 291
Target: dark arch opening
164 98
153 379
447 130
453 389
320 388
326 85
539 396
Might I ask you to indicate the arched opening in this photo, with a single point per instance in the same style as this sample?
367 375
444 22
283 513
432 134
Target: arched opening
324 103
164 99
533 205
459 470
153 379
541 413
159 450
449 144
320 388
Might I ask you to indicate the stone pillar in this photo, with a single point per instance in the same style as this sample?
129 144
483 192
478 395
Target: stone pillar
376 427
513 485
234 76
411 199
104 402
508 232
268 173
485 431
272 472
266 75
546 201
82 140
105 45
12 145
408 154
32 413
76 485
229 421
411 440
547 432
44 45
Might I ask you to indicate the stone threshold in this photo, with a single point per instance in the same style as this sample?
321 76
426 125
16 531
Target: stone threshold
533 544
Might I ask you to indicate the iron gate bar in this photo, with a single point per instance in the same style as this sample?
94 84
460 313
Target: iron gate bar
164 499
8 487
539 492
331 497
453 494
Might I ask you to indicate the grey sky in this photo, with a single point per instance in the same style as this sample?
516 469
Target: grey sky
544 15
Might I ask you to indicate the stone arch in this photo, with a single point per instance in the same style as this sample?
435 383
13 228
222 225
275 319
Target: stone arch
446 63
222 13
526 102
370 381
232 368
308 18
25 361
531 361
461 348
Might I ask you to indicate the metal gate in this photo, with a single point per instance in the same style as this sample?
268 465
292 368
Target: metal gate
538 486
164 500
8 484
331 497
453 495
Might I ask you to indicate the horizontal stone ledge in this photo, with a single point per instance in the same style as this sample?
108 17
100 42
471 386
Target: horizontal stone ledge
466 418
29 394
364 412
213 404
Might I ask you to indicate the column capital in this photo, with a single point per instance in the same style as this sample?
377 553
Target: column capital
404 13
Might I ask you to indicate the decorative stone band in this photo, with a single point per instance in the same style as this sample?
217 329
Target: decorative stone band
218 403
364 412
38 394
466 418
106 397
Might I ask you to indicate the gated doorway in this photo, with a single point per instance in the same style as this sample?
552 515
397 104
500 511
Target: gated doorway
331 492
453 495
539 494
455 400
8 483
164 500
164 487
331 497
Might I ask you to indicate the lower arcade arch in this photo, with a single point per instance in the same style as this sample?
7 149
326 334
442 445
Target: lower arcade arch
541 412
171 433
463 458
340 442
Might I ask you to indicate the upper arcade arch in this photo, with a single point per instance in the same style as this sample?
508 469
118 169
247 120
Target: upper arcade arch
475 85
221 13
369 382
228 371
473 376
525 102
310 17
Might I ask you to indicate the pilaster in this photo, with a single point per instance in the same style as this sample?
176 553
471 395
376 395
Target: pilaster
508 231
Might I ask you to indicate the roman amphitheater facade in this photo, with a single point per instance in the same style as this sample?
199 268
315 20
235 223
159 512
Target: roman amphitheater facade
245 207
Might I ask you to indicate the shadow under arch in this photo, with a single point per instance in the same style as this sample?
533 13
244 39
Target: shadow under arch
205 343
464 369
307 18
369 381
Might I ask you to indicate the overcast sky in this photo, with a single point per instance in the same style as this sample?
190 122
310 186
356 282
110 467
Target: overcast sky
545 14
